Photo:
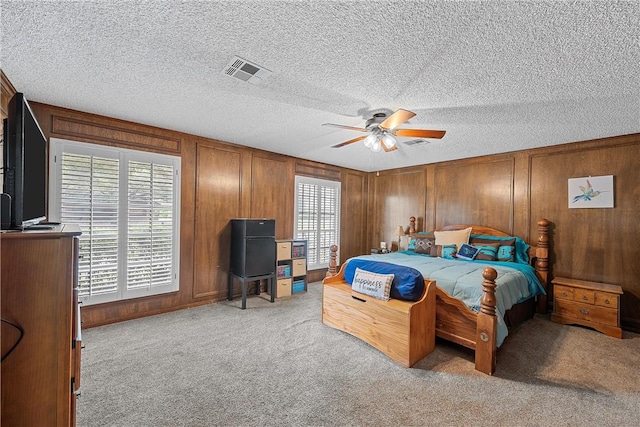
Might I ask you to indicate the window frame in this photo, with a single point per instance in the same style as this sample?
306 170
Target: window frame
59 146
337 185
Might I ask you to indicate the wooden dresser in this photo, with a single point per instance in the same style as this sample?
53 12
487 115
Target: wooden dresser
40 327
591 304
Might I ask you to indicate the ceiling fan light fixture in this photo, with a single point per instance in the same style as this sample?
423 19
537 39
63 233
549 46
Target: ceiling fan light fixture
388 140
376 146
370 140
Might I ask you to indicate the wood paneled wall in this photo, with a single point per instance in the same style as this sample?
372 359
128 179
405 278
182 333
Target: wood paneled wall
509 192
512 191
220 181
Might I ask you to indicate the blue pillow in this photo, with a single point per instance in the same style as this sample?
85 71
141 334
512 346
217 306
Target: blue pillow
408 283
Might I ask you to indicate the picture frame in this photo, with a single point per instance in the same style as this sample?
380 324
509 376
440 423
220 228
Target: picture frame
591 192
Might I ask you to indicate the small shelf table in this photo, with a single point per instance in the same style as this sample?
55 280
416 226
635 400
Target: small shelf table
244 280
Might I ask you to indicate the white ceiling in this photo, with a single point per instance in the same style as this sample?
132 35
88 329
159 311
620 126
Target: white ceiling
497 76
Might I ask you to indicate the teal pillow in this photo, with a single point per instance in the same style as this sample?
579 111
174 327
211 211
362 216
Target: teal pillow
521 254
488 252
449 251
506 253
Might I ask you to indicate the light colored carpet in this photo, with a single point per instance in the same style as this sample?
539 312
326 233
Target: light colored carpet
278 365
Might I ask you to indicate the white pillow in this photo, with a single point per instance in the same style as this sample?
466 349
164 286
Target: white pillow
372 284
454 237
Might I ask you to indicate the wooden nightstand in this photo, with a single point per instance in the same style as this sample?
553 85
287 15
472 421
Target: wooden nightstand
591 304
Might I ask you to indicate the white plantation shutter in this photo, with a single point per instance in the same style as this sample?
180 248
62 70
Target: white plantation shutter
329 224
150 219
317 217
127 206
89 198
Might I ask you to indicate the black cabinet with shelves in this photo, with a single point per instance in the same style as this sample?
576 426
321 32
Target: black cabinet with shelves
252 254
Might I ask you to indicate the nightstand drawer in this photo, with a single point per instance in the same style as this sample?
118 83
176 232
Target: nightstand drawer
563 292
588 312
584 295
607 300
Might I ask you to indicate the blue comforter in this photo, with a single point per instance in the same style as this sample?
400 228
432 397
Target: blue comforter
462 279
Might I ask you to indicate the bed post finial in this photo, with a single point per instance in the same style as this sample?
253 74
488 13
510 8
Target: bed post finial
488 301
333 266
412 225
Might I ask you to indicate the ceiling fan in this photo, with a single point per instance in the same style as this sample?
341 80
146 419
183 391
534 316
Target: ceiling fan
382 131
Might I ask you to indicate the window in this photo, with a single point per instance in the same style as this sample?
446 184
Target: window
127 204
317 218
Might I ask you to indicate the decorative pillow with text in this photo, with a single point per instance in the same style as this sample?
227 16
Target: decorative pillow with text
373 284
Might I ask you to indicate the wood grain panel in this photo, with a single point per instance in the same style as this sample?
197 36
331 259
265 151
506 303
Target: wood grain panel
353 236
37 296
92 132
397 195
599 245
6 92
218 187
475 193
272 192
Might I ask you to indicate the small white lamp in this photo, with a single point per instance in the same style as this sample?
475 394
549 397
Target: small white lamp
400 233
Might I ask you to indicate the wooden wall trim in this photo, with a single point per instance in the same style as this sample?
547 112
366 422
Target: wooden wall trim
595 144
317 170
6 92
93 132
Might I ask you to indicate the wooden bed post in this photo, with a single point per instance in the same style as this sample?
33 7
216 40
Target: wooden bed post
542 262
333 266
412 225
487 325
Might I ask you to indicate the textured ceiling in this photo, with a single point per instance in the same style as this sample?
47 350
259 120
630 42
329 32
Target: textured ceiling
497 76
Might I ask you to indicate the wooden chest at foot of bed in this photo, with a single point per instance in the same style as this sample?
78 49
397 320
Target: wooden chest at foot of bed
403 330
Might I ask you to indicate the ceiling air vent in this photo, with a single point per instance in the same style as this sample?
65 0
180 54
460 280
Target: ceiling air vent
246 71
415 142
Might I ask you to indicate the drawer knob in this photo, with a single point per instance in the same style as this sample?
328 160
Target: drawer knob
564 294
606 301
584 297
584 311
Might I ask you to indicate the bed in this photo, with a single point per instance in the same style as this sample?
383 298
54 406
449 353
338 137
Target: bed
479 314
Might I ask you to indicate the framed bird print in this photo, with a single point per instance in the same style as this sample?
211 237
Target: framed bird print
591 192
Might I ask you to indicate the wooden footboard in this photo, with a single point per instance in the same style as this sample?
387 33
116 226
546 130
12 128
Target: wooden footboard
403 330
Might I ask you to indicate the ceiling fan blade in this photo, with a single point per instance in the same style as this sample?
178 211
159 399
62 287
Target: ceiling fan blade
384 147
420 133
351 141
396 119
345 127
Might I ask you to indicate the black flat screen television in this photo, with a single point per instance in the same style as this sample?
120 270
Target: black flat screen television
25 165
